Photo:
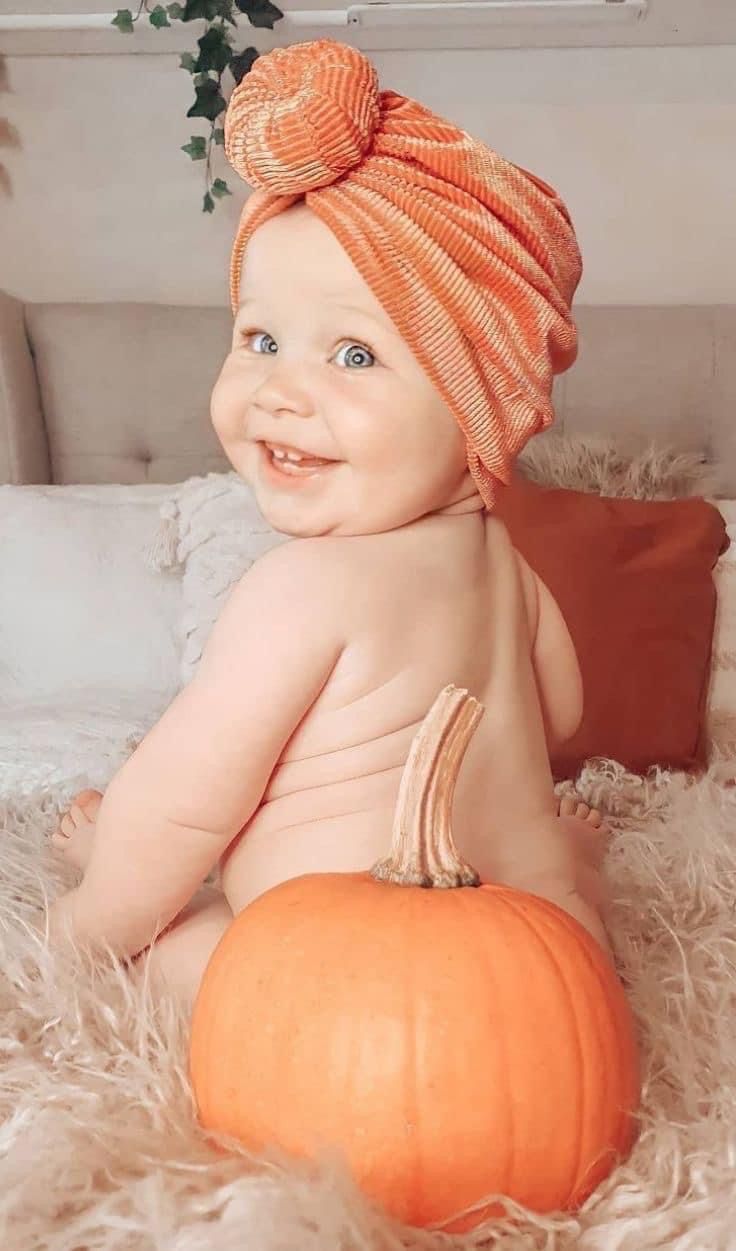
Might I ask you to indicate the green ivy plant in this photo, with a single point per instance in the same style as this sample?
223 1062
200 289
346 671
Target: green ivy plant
216 56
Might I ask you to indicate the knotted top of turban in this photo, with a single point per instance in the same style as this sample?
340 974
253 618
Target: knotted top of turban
474 259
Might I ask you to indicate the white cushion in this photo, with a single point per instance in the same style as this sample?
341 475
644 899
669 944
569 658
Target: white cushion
72 742
218 533
82 618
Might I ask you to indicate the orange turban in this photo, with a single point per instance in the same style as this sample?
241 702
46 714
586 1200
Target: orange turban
474 259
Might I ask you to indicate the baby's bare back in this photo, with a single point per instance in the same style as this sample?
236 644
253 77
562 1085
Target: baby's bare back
437 602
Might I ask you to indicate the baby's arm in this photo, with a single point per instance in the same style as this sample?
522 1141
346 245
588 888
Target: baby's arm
559 872
556 668
201 771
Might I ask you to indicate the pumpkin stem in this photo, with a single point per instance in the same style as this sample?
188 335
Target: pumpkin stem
423 852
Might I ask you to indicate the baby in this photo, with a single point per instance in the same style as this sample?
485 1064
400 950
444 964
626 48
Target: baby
401 298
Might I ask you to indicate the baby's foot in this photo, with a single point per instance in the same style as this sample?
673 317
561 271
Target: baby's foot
589 833
571 805
76 828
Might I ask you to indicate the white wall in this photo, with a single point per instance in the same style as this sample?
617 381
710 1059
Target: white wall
100 203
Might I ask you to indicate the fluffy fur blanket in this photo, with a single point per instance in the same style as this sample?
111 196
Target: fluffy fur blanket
98 1143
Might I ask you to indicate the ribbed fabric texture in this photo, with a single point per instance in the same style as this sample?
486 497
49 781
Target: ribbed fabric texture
473 258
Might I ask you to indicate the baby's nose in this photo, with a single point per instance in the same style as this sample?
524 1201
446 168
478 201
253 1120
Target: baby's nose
284 391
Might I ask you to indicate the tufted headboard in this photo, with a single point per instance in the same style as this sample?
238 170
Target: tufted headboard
119 392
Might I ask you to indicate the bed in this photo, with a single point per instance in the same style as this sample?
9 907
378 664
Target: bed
103 415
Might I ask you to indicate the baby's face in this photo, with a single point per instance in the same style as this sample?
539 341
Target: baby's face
317 365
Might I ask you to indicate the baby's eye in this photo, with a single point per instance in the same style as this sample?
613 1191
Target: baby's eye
257 335
358 356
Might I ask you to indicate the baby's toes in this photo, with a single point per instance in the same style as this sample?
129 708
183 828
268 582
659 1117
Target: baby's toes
59 839
568 805
599 837
595 818
582 812
605 831
66 827
74 836
76 847
65 834
89 802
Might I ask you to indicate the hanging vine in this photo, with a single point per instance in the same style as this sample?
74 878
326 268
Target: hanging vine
215 58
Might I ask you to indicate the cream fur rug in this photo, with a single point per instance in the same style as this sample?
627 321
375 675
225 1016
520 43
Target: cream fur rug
98 1142
635 468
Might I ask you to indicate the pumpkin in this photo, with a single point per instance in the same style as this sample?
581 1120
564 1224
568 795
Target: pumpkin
455 1040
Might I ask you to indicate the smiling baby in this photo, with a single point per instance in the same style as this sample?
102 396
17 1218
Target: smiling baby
401 298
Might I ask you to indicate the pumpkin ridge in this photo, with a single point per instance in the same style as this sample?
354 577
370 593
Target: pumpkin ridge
467 903
578 1120
413 1106
591 954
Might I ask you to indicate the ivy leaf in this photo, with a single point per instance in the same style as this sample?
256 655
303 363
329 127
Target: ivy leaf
209 102
123 19
214 51
175 11
259 12
242 64
220 188
207 9
187 62
218 134
157 17
195 148
208 205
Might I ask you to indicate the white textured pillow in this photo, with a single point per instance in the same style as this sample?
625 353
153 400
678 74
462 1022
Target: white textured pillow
81 617
721 717
213 531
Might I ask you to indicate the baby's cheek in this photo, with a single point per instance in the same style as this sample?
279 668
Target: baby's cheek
376 432
226 403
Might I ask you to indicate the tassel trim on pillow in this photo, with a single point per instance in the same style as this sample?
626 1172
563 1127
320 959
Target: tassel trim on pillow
162 552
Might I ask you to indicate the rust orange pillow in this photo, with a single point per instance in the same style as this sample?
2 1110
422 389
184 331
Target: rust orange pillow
633 579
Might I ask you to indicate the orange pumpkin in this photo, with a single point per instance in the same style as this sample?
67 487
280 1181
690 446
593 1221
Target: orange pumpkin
457 1042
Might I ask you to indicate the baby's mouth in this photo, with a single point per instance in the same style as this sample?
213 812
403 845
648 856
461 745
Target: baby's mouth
295 464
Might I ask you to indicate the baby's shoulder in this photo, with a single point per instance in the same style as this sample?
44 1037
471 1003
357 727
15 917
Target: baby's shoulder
318 565
349 578
327 558
314 575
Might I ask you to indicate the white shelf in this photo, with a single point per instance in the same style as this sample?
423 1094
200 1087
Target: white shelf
482 13
83 27
415 15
